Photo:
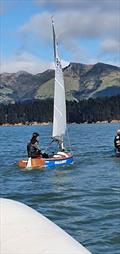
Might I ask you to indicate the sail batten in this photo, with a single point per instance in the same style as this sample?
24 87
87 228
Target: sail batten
59 115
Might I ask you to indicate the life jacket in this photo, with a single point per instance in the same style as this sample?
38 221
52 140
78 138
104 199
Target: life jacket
33 149
117 141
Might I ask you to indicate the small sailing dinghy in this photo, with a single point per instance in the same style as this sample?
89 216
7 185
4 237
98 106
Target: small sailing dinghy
62 157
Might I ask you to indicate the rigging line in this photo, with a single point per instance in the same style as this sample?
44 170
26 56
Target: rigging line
59 83
49 145
58 110
69 139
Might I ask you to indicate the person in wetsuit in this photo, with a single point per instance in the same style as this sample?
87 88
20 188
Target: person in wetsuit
33 148
117 141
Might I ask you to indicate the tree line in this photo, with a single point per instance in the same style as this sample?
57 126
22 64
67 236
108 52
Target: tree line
90 111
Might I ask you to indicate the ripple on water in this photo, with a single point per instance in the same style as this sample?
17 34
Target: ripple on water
84 198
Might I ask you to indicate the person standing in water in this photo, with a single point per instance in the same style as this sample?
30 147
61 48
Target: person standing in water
117 141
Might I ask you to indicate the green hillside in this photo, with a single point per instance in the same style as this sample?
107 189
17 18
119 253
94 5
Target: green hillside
81 82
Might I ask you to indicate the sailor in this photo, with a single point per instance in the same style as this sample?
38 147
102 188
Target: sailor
61 146
33 148
117 140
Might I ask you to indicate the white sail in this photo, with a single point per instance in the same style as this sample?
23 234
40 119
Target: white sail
59 117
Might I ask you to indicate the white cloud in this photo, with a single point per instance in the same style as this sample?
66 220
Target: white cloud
75 25
110 46
39 25
82 4
107 60
26 62
75 20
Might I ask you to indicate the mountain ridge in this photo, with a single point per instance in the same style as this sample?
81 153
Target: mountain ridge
82 81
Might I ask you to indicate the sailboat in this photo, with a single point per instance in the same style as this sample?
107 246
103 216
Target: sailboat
62 157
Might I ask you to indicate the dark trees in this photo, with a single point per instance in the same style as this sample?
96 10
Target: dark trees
92 110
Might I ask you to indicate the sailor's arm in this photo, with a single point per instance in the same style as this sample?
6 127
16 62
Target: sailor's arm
36 145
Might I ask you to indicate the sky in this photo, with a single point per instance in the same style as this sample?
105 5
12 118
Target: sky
88 31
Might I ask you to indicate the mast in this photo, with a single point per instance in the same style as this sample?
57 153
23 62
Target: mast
59 115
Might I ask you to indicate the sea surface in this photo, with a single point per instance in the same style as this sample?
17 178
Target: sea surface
83 199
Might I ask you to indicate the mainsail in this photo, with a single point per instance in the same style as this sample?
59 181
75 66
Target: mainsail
59 117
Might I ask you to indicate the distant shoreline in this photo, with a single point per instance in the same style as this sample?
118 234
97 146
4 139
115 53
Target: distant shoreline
25 124
47 123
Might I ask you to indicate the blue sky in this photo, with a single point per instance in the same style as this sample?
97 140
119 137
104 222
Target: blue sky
88 31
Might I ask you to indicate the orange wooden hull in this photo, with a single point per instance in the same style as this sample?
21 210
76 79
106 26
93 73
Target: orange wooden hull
59 159
35 163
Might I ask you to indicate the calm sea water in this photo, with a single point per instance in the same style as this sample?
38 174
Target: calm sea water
83 199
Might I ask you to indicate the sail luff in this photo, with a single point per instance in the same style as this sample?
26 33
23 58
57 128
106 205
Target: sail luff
54 40
59 118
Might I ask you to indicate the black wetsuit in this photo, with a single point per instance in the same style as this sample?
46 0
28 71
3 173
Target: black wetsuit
33 150
117 142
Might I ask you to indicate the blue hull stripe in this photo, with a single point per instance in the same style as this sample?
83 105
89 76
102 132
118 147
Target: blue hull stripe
60 162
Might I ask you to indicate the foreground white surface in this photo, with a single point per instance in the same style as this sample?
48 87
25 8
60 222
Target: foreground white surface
25 231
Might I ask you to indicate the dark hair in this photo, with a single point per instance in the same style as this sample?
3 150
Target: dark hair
34 136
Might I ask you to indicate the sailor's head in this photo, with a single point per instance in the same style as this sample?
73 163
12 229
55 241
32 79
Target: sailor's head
118 132
35 135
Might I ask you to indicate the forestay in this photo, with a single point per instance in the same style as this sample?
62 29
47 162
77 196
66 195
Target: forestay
59 117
